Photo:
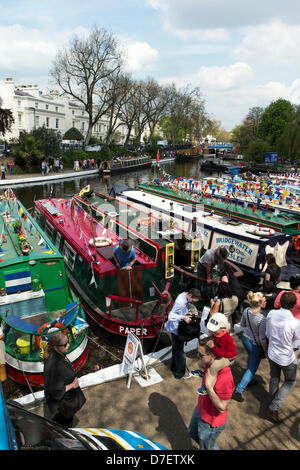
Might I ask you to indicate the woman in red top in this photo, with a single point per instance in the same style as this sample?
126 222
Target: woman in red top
295 288
210 415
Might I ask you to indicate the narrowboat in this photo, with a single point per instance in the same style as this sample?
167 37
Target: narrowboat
123 164
247 244
116 300
35 297
219 202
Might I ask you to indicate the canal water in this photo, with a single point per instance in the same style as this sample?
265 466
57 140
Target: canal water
67 188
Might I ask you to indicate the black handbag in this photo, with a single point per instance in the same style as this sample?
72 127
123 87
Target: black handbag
188 331
72 401
261 349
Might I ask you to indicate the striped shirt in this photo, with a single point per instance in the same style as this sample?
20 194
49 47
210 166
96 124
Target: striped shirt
257 324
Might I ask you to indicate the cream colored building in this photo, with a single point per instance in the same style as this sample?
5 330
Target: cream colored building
32 109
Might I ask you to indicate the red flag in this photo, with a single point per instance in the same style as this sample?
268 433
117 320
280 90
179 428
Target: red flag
158 157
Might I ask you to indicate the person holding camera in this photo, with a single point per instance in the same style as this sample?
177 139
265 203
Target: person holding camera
180 311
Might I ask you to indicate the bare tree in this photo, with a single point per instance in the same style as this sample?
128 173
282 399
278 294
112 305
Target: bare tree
119 88
158 100
81 70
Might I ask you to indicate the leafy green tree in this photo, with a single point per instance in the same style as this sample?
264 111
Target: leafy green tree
256 150
274 119
6 119
288 145
73 134
27 151
50 140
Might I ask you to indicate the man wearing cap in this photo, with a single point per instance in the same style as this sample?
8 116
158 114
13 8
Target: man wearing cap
210 415
211 258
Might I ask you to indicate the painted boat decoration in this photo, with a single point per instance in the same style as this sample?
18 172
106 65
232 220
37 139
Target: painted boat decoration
246 244
116 300
123 164
35 298
227 206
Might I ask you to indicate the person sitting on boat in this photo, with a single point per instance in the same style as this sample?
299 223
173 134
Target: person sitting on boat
124 255
211 258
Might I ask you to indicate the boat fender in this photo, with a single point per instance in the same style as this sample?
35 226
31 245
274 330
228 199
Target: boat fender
100 241
263 231
46 326
145 221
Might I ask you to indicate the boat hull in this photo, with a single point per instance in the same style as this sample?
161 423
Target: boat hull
32 373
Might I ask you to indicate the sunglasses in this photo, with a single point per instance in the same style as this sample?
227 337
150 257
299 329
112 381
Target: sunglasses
63 345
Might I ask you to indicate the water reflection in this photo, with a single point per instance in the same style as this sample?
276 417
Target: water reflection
66 188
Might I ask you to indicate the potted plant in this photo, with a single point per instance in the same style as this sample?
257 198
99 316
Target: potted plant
17 226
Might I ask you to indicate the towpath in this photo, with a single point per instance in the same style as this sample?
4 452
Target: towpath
162 411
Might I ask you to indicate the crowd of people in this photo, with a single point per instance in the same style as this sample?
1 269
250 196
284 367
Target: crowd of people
271 329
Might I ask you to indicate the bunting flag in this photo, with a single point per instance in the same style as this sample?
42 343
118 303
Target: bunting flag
41 241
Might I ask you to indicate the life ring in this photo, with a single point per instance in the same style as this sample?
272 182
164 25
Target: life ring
263 231
145 221
100 241
46 326
85 190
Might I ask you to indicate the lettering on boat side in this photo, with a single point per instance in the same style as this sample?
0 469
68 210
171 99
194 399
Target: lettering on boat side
136 331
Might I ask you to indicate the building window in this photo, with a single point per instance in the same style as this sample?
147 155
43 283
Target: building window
56 109
20 119
57 123
73 123
73 112
19 102
36 105
37 121
82 126
47 122
47 106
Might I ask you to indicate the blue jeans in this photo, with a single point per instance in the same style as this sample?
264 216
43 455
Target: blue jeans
203 433
178 363
254 358
279 394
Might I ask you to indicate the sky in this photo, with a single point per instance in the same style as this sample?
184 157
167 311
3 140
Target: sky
240 53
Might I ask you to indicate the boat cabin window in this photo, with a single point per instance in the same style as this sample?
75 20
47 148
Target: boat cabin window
69 256
49 229
57 240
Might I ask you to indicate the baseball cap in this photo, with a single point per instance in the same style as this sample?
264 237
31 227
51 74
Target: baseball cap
216 321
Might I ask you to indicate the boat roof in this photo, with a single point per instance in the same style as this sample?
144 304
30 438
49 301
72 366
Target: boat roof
281 218
12 212
79 229
187 213
127 212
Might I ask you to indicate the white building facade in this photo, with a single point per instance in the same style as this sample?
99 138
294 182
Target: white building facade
32 108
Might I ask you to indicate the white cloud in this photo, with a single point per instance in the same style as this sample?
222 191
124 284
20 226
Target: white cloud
139 56
216 78
30 48
196 15
276 43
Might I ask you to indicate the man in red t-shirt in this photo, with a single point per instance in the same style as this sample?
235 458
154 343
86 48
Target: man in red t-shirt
210 415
